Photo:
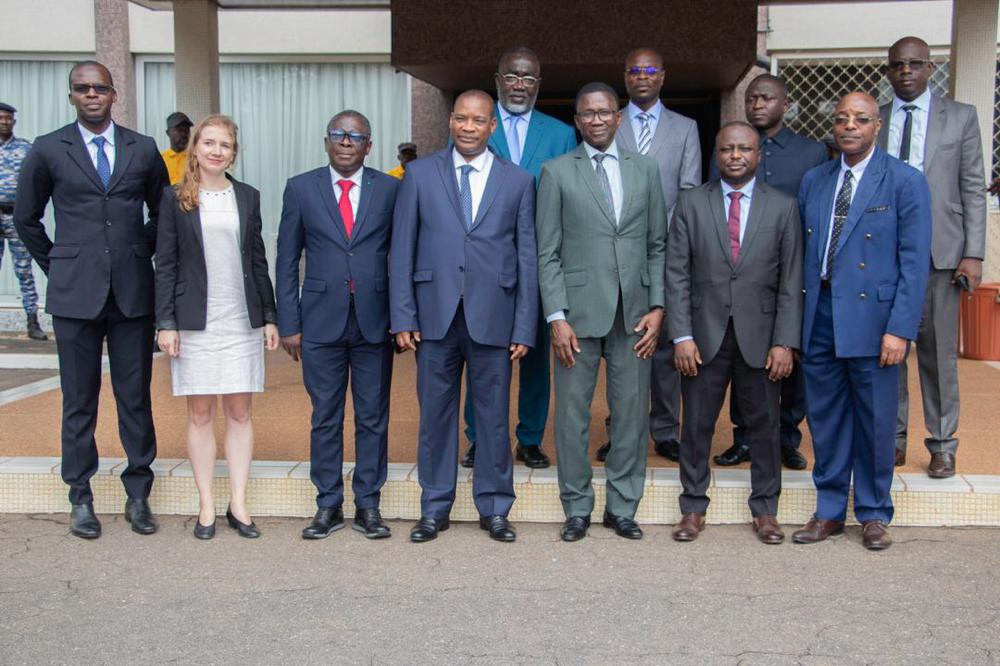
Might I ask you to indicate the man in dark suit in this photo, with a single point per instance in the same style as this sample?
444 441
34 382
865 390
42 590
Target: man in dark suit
527 137
941 138
784 158
98 175
341 215
867 220
464 291
734 312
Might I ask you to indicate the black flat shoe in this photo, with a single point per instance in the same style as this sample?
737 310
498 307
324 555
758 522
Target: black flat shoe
469 459
575 528
602 452
203 532
623 527
792 459
369 522
531 456
83 522
326 521
243 529
734 455
670 449
499 528
138 513
427 529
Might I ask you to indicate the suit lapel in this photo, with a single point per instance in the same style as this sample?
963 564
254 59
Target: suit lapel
536 129
720 220
885 113
498 173
124 152
825 203
325 187
78 152
936 118
590 178
870 181
447 171
758 204
625 136
626 168
194 218
243 209
364 202
499 137
663 129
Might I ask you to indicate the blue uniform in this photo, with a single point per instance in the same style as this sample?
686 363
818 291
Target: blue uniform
12 154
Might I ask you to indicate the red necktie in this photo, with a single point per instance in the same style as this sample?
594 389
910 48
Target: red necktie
346 210
734 225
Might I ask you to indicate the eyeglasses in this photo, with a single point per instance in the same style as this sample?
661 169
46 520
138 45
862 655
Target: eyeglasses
648 70
896 65
863 121
356 138
588 116
99 88
514 79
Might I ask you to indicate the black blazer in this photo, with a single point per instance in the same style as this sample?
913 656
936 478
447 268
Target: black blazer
101 240
181 277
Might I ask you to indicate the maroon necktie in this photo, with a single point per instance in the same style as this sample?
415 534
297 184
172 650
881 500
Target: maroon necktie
734 225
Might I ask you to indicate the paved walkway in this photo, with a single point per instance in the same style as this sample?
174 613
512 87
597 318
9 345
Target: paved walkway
932 598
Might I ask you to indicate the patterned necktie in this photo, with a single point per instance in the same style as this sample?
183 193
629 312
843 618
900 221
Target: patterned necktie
904 141
734 225
103 165
346 210
513 140
602 180
645 135
841 207
465 194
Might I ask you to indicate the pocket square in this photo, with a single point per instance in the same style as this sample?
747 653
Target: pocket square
878 209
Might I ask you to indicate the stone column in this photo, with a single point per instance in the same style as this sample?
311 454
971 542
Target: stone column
731 101
113 50
974 62
429 109
196 57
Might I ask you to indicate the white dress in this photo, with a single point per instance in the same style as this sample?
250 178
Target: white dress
228 356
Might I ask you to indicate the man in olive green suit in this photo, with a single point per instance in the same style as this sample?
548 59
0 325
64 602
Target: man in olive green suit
600 225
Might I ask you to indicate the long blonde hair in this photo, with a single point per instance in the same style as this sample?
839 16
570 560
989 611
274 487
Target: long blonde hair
187 187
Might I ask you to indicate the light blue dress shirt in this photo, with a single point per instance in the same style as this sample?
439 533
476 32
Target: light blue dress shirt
522 128
655 113
918 131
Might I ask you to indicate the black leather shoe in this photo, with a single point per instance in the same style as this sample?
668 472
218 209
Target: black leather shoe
792 459
602 453
138 513
427 529
248 531
83 522
499 528
369 522
531 456
734 455
326 521
623 527
670 449
203 532
469 459
575 528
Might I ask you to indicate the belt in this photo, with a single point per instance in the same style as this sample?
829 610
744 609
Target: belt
7 208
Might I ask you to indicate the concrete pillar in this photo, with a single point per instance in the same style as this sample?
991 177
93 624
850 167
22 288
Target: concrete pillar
113 49
731 101
974 63
429 109
196 57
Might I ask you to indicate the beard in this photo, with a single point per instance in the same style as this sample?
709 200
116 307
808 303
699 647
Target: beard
515 109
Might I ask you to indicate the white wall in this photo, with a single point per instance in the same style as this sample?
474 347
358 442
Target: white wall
54 26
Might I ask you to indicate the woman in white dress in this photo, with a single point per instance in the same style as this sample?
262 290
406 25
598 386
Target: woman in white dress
213 297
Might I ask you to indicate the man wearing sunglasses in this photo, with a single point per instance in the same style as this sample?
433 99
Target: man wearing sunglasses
527 137
98 175
341 216
941 138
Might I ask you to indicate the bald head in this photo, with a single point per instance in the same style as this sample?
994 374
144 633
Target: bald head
473 96
910 68
855 126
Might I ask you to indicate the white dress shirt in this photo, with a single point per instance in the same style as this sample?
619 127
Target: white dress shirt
109 147
354 194
480 173
858 170
918 130
655 113
522 126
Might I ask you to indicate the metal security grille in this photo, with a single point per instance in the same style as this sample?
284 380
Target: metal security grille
996 124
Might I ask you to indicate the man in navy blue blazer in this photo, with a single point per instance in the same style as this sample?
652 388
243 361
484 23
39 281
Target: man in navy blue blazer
867 221
341 215
463 290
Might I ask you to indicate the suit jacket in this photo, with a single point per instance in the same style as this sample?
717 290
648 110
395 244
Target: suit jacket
584 259
676 149
546 138
881 264
310 220
181 275
101 243
762 292
953 165
436 263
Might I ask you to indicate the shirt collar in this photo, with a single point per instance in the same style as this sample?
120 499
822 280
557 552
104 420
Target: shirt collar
591 151
923 102
654 111
746 190
108 133
858 169
506 115
354 177
481 161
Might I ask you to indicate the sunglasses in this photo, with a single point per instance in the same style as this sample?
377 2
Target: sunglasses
649 70
896 65
858 120
356 138
99 88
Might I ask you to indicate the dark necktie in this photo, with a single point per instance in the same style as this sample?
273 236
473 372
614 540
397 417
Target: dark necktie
841 207
103 164
465 194
602 180
904 141
734 225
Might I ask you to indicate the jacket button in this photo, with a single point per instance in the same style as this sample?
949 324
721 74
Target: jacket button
107 250
461 269
868 236
347 282
862 296
733 276
107 223
803 291
861 265
350 254
809 230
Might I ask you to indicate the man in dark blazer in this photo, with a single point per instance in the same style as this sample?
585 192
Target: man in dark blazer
463 290
601 224
98 175
734 312
867 221
341 215
940 137
527 137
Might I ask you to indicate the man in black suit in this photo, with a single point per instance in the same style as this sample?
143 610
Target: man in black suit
98 175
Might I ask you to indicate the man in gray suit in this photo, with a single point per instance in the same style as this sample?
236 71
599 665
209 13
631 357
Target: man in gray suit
600 225
648 128
941 138
734 314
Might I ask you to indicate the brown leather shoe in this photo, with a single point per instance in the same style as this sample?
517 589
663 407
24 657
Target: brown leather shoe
690 526
942 466
900 457
767 530
817 530
875 535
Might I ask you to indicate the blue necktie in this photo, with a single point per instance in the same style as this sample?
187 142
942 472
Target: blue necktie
103 165
513 140
465 194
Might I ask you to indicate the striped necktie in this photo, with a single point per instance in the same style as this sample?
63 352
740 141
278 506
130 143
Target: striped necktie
645 134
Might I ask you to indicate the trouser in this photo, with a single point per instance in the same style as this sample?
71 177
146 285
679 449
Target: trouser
792 411
22 263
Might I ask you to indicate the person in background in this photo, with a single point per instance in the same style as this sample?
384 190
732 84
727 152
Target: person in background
175 157
406 153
